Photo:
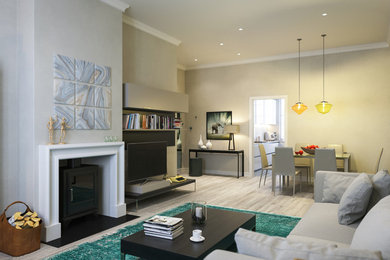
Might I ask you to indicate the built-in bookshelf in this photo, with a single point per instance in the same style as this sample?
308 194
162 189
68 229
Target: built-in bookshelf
143 120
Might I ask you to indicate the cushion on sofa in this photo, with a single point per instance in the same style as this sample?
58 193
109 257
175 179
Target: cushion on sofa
381 183
321 222
373 232
278 248
227 255
354 202
335 186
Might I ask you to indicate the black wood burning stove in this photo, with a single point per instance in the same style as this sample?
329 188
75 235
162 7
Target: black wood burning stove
78 190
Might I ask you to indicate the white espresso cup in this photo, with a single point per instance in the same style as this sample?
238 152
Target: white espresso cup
196 234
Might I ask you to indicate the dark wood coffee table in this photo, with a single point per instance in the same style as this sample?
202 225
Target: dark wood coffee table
219 230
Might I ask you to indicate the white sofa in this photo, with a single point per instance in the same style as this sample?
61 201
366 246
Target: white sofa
319 230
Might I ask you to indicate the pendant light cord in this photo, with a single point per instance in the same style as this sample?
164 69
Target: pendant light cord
323 66
299 69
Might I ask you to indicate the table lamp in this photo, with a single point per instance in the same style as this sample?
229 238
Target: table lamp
231 130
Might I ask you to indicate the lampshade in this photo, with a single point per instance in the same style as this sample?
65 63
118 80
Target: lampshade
299 107
231 129
323 107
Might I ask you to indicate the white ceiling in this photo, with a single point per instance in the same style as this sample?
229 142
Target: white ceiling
270 27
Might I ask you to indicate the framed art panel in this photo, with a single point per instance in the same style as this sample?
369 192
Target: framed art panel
215 124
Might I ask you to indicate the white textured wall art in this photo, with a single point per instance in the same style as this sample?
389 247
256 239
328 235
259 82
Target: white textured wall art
82 93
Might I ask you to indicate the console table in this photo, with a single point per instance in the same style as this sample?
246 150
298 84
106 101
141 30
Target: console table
237 152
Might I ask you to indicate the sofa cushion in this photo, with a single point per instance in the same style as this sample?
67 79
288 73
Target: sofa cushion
227 255
320 222
304 239
381 183
268 247
373 232
354 202
335 186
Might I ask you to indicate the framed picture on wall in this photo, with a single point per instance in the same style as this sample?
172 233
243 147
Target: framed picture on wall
215 124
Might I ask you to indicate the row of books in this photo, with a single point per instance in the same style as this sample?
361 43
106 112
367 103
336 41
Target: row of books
151 121
164 227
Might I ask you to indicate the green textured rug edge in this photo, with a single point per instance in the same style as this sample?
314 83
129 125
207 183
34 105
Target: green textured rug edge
108 247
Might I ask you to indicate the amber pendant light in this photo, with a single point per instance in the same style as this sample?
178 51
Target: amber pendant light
323 107
299 107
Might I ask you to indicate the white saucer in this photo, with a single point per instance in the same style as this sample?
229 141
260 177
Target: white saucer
197 240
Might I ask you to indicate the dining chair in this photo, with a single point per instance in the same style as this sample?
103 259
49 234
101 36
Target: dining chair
339 152
324 160
264 163
379 160
283 165
303 163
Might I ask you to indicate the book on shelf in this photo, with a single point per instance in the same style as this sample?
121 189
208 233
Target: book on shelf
149 121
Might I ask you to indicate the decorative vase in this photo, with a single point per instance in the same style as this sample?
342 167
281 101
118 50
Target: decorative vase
209 145
200 143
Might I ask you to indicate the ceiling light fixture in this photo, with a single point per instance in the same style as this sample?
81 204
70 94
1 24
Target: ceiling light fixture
221 43
240 29
299 107
323 107
324 14
238 54
195 59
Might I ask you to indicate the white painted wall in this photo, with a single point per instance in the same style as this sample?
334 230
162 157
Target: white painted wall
148 61
357 84
8 102
89 30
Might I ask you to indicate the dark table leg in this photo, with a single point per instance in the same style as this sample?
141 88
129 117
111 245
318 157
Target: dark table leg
238 165
242 164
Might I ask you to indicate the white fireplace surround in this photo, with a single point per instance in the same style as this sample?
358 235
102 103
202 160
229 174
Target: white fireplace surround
110 158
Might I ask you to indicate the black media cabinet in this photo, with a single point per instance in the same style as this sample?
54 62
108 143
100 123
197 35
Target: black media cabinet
140 196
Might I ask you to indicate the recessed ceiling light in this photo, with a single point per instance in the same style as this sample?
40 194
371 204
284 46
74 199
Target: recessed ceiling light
240 29
221 43
238 54
324 14
195 59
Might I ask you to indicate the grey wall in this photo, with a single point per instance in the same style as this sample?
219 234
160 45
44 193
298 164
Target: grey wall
89 30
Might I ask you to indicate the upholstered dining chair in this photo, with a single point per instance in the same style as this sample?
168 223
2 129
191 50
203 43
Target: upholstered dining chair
379 160
303 163
264 163
338 148
324 160
283 165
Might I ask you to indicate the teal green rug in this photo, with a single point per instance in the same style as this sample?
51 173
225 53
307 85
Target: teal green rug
108 247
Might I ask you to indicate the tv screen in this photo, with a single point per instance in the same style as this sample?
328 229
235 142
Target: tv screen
145 160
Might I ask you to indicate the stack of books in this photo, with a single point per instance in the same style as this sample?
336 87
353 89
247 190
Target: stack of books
164 227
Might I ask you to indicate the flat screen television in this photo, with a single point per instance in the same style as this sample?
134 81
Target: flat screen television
145 160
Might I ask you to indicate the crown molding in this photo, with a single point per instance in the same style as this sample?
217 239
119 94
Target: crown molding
362 47
181 67
146 28
118 4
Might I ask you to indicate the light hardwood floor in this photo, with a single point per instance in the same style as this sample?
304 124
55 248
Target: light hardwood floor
242 193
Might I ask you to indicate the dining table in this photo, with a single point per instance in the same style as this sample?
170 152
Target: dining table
344 156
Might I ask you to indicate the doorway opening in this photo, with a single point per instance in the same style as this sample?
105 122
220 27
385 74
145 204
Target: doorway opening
268 126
